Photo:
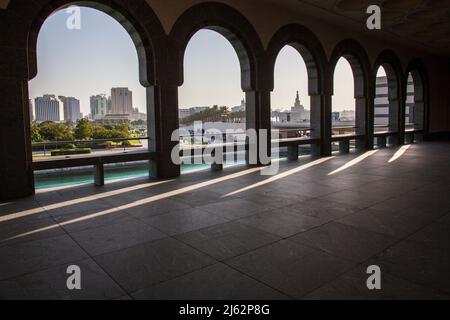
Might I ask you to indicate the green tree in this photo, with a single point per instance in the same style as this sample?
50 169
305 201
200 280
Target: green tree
119 134
99 132
35 133
51 131
83 130
122 130
125 127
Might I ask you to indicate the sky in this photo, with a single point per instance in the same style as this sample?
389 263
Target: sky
85 62
101 55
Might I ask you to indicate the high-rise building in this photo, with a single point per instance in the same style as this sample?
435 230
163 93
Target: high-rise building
382 102
47 108
71 107
109 106
121 101
409 120
99 106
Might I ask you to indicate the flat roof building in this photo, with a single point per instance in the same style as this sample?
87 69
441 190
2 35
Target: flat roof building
71 107
48 108
121 101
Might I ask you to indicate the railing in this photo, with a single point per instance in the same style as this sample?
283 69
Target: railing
297 133
383 136
231 143
344 137
59 144
384 133
300 137
97 159
344 127
411 128
412 134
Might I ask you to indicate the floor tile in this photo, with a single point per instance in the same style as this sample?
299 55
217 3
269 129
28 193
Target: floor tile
393 224
353 286
182 221
358 198
147 264
51 284
29 228
218 282
436 235
281 222
345 241
417 263
227 240
291 268
24 258
81 221
325 211
234 209
116 236
156 208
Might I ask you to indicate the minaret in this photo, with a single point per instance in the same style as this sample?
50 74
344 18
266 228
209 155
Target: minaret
297 101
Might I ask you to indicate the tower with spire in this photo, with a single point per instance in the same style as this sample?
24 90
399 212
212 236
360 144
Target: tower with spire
298 105
298 111
297 101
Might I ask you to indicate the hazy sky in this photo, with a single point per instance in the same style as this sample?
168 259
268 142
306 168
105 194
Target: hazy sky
84 62
101 55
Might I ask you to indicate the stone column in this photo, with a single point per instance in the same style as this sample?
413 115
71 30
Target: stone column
16 172
362 125
265 122
394 120
370 117
326 124
162 109
401 116
258 118
321 106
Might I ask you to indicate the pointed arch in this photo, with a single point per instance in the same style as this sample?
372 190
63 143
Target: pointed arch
389 61
308 45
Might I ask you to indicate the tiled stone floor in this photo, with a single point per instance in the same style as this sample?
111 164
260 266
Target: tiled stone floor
308 233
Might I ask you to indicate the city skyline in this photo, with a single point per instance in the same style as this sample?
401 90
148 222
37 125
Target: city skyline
57 108
86 62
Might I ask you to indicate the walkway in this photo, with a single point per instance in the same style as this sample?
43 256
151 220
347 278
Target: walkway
309 232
